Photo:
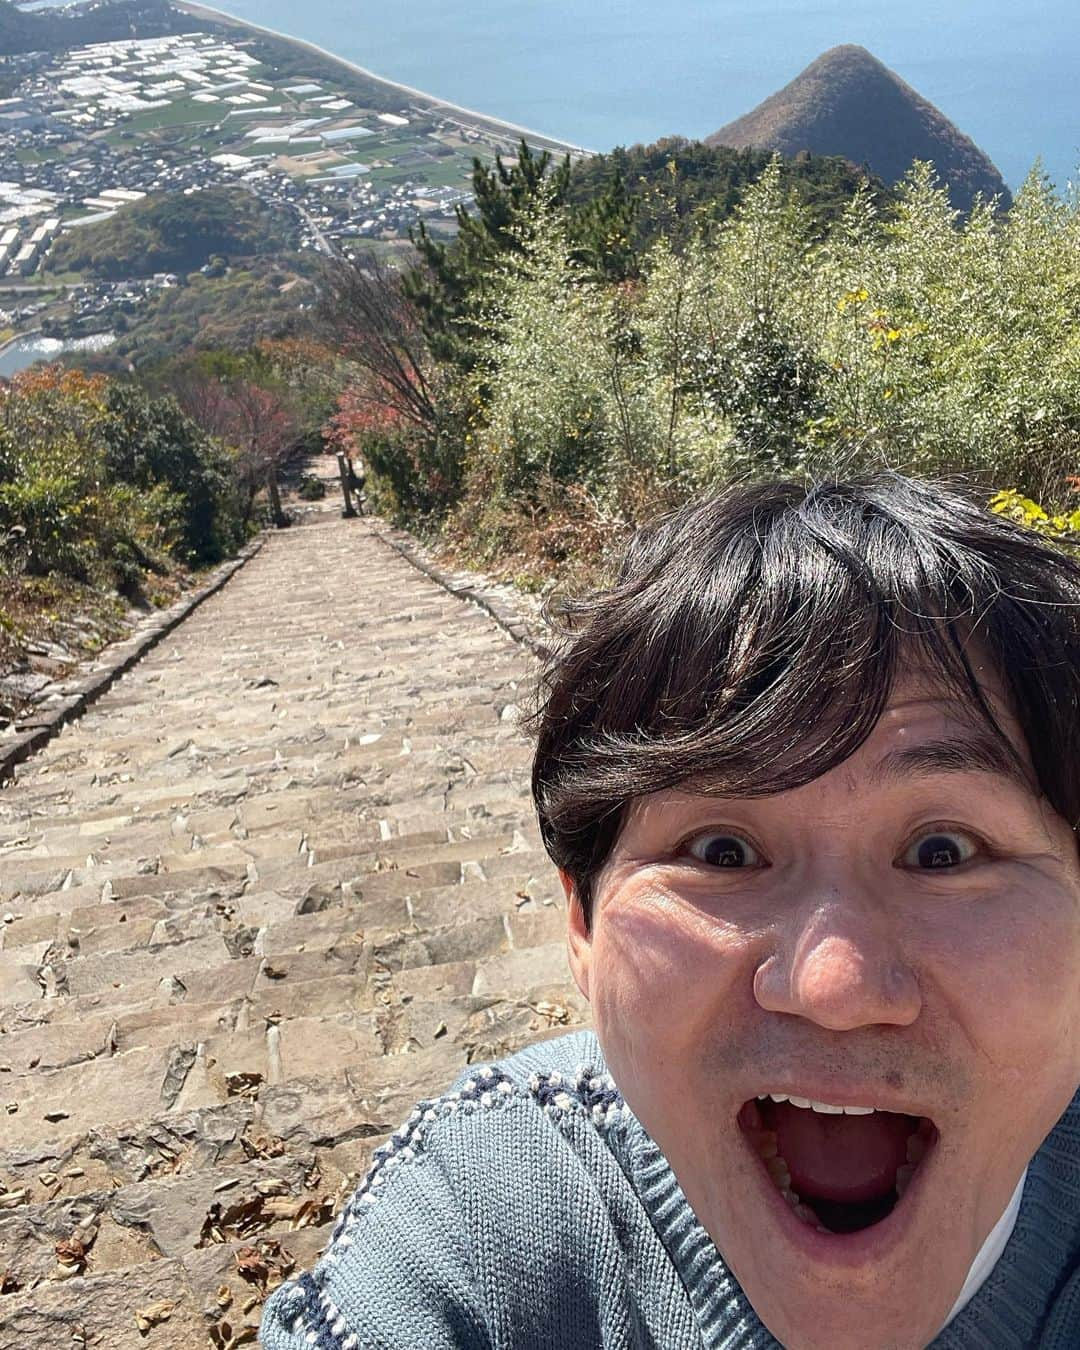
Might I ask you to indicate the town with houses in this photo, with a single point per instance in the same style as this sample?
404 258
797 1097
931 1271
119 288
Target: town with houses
89 131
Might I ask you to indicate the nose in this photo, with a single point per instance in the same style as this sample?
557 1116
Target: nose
840 967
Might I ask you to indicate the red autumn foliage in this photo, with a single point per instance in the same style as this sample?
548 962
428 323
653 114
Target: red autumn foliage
360 415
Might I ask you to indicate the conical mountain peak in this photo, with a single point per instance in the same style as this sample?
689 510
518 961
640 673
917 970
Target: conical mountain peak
849 103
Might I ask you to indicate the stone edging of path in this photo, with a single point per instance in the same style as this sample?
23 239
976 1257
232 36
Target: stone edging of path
118 658
506 617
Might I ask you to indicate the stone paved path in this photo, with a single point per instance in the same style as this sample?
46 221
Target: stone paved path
279 883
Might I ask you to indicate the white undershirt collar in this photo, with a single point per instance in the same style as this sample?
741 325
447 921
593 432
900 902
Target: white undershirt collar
990 1252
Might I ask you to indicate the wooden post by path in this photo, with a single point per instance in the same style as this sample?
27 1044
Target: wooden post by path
343 473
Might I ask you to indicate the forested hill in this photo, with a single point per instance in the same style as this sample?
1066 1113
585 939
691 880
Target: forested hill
102 22
173 232
848 103
676 182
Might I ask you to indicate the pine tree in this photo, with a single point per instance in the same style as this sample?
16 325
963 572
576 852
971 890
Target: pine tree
451 276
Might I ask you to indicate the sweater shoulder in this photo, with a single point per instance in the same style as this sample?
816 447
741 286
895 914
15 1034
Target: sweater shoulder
530 1129
563 1079
564 1055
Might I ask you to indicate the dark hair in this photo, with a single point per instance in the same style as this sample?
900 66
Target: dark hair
750 641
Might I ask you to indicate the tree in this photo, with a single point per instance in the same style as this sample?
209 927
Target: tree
238 399
152 441
443 288
365 310
264 431
64 509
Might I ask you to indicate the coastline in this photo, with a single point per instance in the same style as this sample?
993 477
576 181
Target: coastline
198 10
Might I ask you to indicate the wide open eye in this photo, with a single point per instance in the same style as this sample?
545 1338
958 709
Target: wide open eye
719 848
939 848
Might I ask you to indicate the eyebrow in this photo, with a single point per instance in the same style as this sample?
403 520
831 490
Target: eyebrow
973 752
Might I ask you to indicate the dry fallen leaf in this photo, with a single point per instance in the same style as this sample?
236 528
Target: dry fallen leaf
71 1252
262 1146
155 1313
222 1336
251 1266
242 1084
554 1013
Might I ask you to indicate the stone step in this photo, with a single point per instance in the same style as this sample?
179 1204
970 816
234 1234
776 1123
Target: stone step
431 925
278 884
152 1051
422 1009
157 849
210 1297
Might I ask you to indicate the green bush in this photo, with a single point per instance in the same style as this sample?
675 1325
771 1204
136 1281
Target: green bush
101 484
911 338
150 442
414 479
311 489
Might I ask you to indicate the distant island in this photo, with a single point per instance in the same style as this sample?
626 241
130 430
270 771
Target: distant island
848 103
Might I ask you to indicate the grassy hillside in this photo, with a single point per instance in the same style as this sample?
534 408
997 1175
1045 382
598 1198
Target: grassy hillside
175 233
848 103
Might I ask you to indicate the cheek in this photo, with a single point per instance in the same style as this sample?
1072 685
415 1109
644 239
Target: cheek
662 975
1008 967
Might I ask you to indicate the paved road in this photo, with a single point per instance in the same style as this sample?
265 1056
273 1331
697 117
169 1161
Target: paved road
279 883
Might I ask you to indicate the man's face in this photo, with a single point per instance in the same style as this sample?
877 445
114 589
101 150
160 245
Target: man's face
902 934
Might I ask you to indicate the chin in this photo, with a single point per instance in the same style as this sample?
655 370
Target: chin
842 1219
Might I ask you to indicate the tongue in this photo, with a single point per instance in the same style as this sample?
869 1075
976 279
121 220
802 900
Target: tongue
841 1158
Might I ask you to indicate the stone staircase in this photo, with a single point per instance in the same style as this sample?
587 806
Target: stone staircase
279 883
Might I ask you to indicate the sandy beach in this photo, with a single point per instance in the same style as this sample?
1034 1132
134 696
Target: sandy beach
538 138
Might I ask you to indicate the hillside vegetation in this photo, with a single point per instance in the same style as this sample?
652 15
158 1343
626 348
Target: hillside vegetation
676 186
598 344
848 103
175 233
44 32
233 312
545 385
121 486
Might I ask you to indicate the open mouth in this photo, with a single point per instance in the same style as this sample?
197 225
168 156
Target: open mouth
840 1168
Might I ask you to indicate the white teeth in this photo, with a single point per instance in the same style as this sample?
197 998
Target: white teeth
824 1108
778 1170
802 1211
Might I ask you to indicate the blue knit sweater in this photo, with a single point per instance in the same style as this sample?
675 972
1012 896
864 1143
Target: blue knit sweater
529 1210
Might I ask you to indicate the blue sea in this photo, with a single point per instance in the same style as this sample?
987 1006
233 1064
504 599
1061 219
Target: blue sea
602 73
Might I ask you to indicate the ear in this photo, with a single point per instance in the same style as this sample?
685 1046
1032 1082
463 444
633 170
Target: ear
578 937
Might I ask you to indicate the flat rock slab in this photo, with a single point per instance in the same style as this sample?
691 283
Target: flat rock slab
279 881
